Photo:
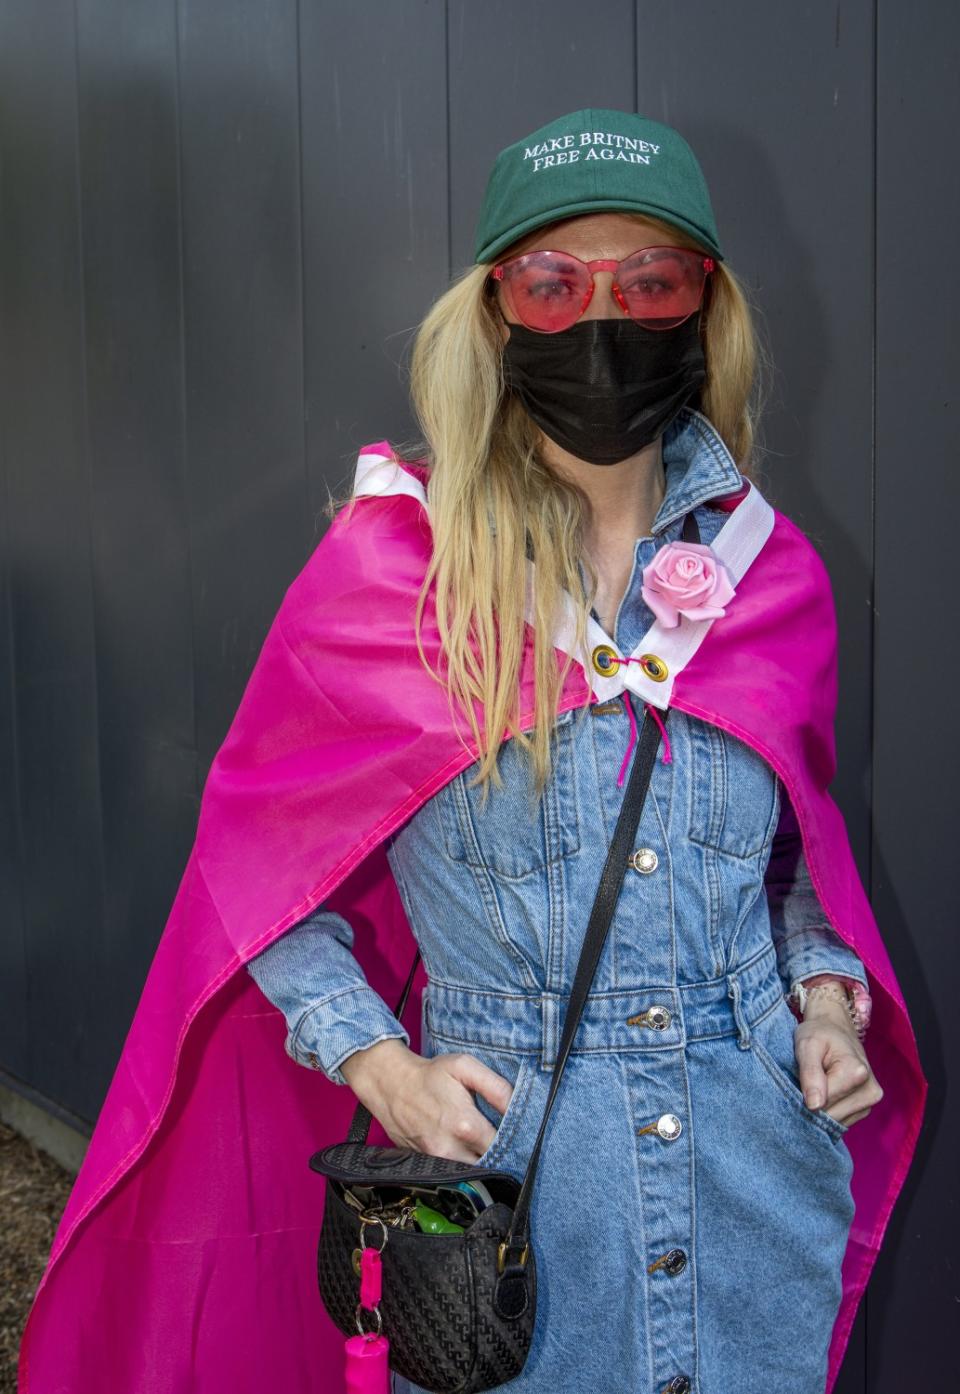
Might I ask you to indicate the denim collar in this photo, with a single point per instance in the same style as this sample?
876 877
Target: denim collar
697 466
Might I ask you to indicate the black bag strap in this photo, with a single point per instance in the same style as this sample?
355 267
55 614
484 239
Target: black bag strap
514 1251
511 1286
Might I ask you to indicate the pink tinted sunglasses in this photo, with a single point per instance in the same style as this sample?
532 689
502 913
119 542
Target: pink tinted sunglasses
659 287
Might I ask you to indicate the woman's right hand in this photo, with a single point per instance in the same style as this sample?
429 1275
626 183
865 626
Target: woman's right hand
426 1104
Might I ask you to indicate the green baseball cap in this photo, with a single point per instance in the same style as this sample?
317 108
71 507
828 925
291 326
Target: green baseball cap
594 161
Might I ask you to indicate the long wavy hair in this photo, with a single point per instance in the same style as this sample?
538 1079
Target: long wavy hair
493 502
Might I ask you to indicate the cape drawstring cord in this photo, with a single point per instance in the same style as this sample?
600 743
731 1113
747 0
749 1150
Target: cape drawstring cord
666 756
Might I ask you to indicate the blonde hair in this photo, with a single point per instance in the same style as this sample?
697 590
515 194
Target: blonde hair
493 501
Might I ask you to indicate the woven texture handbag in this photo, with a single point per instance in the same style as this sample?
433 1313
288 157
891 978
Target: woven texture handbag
459 1308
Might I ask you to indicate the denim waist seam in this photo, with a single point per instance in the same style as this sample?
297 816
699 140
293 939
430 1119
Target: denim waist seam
729 1004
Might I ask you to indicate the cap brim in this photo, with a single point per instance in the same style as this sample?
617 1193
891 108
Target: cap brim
599 205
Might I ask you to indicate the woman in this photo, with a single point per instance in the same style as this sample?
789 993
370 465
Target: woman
695 1191
679 1180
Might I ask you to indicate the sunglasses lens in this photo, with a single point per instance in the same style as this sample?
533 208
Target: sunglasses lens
662 286
659 287
547 290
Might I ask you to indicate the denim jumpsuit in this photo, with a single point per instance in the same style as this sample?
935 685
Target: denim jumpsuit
690 1213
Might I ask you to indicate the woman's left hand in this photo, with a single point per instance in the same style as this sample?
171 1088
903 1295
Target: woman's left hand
835 1074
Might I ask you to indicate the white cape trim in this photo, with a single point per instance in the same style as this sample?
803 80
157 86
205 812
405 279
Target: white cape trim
736 544
380 475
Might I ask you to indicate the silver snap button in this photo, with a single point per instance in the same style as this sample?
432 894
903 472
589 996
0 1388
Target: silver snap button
673 1262
644 859
656 1017
667 1125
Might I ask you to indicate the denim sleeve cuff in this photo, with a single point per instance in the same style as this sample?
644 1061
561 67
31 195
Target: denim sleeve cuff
331 1030
817 949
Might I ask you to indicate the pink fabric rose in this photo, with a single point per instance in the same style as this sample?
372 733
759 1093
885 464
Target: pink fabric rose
686 578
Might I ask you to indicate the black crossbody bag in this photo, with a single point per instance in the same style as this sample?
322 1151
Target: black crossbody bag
459 1309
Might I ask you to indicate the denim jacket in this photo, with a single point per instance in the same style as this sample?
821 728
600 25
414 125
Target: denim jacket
498 898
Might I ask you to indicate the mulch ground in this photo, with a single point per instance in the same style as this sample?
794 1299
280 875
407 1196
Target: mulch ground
33 1192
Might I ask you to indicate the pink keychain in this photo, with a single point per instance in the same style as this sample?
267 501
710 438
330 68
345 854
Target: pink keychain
367 1355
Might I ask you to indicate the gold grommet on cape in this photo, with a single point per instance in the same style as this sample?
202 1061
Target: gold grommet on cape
605 660
654 667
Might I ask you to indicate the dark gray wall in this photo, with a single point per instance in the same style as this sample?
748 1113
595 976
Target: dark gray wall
219 223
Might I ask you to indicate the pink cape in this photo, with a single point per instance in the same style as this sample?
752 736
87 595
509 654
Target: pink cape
185 1260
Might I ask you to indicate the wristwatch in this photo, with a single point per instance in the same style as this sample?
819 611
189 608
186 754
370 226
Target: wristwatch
858 1000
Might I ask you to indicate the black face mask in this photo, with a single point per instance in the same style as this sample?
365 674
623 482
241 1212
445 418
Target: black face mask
605 388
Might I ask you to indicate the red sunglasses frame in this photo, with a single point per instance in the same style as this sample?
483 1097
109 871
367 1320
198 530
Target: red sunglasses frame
605 264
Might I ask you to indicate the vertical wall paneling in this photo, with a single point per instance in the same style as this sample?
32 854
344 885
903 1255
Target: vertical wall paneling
51 611
243 336
913 1298
14 1024
130 238
374 117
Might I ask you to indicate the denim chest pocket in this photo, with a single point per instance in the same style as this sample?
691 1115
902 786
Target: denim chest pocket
734 793
514 835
